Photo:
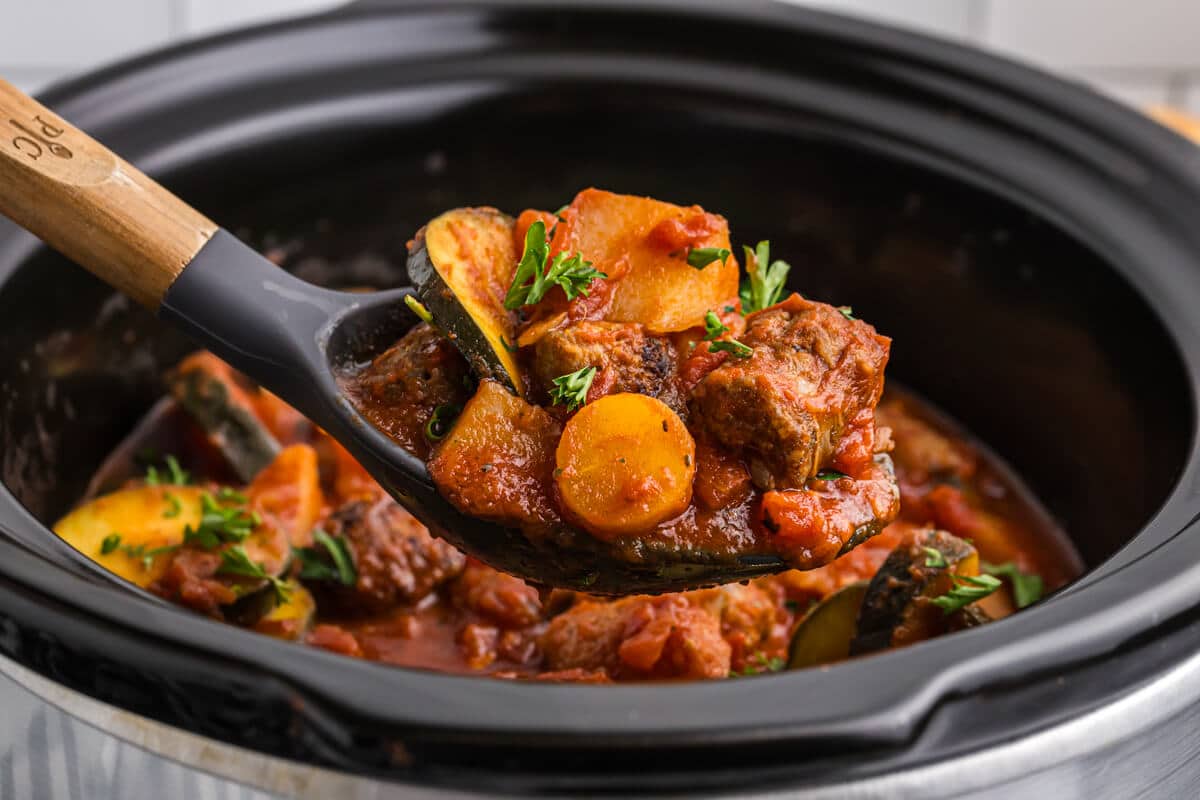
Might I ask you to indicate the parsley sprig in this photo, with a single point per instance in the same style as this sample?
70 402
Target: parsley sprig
764 279
966 590
175 474
935 559
533 279
571 390
713 327
235 561
1027 588
112 543
830 475
220 524
701 257
733 347
316 567
759 665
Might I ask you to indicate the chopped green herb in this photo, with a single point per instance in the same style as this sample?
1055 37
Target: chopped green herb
713 327
176 474
314 566
729 309
512 348
110 543
701 257
441 421
173 506
571 390
830 475
418 308
533 279
966 590
733 347
1027 587
148 556
935 558
759 665
847 312
764 279
235 561
228 495
219 525
179 476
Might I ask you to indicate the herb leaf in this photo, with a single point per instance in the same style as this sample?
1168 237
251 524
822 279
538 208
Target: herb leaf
733 347
174 507
935 558
418 308
571 389
314 567
966 590
441 421
701 257
830 475
1027 587
764 279
219 525
759 665
179 476
713 327
235 561
533 279
847 312
112 543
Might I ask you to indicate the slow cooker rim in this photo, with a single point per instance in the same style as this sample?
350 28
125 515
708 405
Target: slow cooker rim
903 722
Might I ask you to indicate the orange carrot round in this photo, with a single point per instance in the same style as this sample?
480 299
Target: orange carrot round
625 463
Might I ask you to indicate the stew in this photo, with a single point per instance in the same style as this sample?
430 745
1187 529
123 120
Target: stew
587 367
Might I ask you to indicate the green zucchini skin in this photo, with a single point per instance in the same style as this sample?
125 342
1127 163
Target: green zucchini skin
825 633
895 594
456 276
245 442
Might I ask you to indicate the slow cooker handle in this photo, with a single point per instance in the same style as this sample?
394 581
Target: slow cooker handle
91 205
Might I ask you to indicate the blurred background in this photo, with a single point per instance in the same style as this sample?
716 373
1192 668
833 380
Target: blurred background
1146 53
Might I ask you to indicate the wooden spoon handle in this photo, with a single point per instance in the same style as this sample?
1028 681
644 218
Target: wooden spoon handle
84 201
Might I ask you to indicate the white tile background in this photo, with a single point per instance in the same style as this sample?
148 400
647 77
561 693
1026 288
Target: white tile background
1145 52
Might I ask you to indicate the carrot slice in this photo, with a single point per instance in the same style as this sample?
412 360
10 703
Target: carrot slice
625 463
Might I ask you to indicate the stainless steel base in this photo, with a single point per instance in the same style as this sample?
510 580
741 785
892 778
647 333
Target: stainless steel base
57 744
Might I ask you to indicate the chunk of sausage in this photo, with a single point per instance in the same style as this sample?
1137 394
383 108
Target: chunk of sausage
638 637
626 358
803 401
397 559
400 389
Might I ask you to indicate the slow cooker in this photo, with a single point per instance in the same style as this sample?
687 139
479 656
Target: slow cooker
1031 247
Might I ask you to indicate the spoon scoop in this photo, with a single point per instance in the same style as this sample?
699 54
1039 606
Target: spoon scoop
284 333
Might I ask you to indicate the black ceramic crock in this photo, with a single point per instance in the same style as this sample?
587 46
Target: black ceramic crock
1031 247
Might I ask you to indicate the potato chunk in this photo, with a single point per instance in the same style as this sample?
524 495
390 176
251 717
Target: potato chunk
642 245
146 517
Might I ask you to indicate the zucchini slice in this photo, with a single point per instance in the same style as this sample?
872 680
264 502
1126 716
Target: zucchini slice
461 264
208 389
825 633
898 607
291 619
143 519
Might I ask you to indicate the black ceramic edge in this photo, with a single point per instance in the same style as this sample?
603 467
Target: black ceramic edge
1156 569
